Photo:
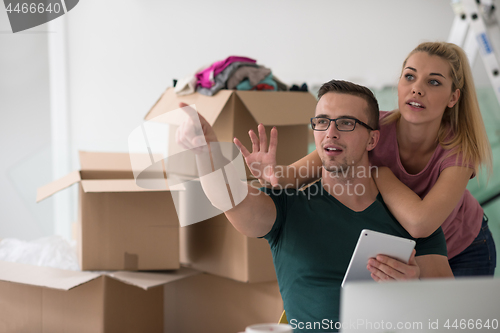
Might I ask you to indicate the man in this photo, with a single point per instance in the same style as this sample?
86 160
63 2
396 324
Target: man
313 232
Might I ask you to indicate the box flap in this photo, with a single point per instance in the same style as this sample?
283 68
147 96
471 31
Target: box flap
57 185
44 276
99 161
123 185
208 106
149 280
279 108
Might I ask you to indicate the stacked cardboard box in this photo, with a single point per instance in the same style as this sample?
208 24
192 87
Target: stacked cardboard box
214 246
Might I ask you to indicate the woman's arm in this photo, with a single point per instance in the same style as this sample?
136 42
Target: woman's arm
421 217
302 172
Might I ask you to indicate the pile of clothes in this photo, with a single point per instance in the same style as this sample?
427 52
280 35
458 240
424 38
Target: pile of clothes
234 72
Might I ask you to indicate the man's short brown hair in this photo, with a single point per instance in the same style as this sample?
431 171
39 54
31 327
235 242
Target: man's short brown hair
346 87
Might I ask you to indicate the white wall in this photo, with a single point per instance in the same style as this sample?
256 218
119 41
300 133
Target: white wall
25 155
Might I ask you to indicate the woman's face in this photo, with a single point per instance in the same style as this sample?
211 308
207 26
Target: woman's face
424 89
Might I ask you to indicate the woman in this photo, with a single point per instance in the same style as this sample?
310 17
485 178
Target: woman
429 149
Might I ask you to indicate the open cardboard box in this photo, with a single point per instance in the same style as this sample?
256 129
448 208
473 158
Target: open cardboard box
41 299
232 113
121 226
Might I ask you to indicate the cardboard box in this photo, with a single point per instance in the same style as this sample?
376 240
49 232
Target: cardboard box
232 113
211 304
216 247
121 226
40 299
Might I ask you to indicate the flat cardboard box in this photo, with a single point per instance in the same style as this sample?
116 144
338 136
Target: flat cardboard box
232 113
39 299
121 226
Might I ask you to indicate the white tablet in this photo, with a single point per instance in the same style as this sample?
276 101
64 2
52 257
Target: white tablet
370 244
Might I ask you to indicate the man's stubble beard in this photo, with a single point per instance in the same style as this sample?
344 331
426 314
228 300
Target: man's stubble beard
338 171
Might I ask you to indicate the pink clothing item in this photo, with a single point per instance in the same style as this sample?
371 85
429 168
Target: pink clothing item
206 76
464 222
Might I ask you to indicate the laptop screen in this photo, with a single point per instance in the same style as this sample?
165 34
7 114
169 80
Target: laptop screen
434 305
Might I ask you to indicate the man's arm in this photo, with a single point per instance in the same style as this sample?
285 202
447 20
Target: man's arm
254 216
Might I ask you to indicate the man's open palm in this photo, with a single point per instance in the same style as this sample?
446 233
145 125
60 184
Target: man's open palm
262 160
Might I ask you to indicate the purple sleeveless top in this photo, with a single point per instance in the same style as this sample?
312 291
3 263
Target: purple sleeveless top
464 222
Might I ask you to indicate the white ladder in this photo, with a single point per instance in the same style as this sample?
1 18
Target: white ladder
474 29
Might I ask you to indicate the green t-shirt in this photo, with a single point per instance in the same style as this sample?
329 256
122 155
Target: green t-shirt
312 241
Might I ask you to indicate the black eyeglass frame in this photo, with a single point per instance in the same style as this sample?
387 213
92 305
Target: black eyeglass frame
356 121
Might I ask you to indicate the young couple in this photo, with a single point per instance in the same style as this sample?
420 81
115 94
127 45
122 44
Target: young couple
425 151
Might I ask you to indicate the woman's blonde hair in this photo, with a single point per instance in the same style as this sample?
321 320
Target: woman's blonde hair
464 119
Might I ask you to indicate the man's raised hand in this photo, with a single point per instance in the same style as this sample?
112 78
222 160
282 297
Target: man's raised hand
262 160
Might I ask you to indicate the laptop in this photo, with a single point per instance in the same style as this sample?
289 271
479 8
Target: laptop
434 305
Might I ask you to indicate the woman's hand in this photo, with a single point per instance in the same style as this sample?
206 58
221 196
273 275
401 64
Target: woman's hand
262 160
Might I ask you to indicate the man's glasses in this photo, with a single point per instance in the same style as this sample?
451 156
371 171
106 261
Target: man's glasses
343 124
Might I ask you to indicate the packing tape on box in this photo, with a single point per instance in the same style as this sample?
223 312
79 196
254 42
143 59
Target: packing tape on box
220 181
